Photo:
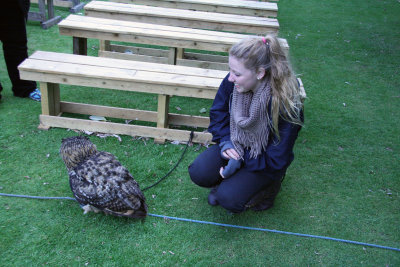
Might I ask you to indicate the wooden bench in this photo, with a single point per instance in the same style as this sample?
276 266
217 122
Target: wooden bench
187 18
239 7
83 27
52 69
46 20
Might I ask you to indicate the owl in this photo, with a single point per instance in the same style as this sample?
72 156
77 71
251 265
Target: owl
99 182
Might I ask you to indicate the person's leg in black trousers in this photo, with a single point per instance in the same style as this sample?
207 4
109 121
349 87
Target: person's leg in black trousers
233 193
14 39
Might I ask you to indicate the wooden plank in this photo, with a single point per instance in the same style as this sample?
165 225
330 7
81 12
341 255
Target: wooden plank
203 64
51 22
170 13
82 21
125 129
125 64
139 50
133 114
201 41
120 73
110 112
125 56
125 51
134 86
206 57
238 7
196 63
175 17
136 32
120 79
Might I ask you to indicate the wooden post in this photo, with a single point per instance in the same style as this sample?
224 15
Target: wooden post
42 8
179 54
50 100
104 45
162 111
79 46
50 9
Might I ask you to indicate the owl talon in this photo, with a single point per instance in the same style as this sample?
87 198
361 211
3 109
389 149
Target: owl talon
88 208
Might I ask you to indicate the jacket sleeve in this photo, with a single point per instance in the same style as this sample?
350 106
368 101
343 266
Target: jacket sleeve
219 112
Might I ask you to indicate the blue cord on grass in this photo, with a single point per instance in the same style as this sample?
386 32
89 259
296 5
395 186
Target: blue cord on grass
36 197
230 225
274 231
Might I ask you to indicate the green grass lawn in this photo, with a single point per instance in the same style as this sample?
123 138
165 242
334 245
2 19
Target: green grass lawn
343 183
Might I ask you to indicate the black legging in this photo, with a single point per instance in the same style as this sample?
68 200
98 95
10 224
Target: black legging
14 39
233 193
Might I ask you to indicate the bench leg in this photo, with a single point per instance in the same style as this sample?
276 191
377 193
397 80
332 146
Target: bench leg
50 9
42 8
104 45
50 100
162 115
179 54
79 46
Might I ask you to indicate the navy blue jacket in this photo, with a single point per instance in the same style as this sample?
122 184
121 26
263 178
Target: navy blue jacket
278 154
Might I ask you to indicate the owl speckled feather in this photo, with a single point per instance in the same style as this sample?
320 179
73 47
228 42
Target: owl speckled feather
98 180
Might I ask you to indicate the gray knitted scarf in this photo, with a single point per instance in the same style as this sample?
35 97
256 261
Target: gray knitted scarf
249 120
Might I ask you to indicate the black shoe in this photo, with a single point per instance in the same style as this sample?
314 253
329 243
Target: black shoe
265 199
212 197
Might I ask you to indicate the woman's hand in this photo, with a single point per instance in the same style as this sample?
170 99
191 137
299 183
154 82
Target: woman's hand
231 153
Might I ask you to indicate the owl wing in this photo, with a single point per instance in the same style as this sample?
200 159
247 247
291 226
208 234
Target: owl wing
104 183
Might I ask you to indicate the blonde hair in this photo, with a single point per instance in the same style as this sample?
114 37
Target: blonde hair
266 52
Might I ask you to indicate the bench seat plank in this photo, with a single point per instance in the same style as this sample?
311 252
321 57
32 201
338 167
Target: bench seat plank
120 79
125 26
188 18
125 64
145 33
239 7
